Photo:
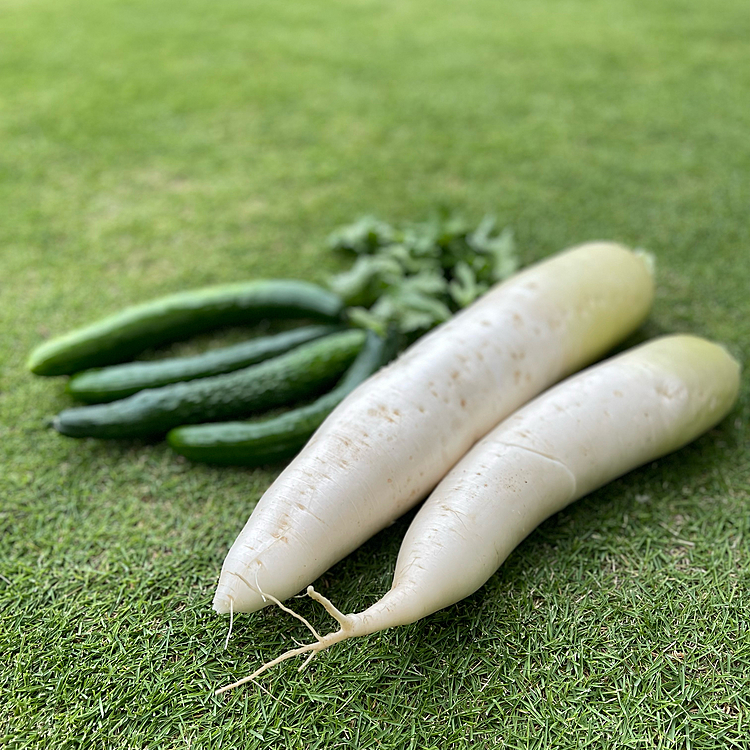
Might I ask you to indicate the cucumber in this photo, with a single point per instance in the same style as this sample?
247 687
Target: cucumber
293 376
268 440
118 381
121 336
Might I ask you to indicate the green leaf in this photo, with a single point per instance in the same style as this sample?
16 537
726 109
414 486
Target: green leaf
416 303
413 305
363 318
412 263
367 279
364 236
425 283
464 288
499 248
483 233
504 258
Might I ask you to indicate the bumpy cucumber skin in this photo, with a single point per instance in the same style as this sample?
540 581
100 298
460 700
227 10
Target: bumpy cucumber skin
270 440
118 381
121 336
253 443
293 376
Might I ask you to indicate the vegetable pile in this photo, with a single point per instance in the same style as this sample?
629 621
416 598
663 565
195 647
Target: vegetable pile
472 416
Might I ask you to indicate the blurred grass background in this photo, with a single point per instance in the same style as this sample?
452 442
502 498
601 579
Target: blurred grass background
149 147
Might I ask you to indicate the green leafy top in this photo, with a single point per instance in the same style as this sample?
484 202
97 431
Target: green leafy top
418 276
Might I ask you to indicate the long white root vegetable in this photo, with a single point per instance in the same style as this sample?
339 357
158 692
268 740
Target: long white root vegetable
390 442
574 438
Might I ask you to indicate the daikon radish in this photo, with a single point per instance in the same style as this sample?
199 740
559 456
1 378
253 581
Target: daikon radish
392 440
579 435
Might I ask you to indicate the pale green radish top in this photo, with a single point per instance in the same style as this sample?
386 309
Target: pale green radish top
650 401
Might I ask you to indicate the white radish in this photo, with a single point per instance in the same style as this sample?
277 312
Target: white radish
574 438
390 441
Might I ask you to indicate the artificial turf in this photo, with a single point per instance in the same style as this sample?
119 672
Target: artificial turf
150 147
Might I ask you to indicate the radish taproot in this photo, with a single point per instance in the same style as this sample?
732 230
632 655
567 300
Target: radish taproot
392 440
579 435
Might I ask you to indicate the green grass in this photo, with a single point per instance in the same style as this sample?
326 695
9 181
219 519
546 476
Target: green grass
149 147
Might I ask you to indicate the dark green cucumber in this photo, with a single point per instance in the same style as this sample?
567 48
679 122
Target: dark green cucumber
121 336
264 441
293 376
118 381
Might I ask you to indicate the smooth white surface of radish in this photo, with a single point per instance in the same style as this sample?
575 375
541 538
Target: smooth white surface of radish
389 443
577 436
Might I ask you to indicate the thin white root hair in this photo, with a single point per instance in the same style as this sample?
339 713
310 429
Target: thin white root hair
294 614
267 665
258 588
344 633
231 622
266 597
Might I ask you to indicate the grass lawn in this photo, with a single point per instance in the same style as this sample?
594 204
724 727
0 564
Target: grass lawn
152 146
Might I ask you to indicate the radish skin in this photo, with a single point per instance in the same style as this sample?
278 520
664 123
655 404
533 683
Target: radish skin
576 437
580 435
392 440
